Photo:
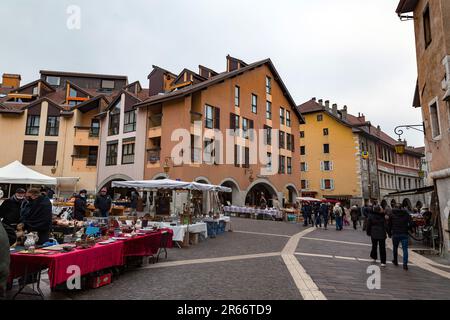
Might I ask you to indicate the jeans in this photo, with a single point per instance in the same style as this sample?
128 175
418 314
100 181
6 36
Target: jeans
305 220
396 239
338 223
325 221
382 244
318 220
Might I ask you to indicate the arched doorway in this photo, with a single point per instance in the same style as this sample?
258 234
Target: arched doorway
230 198
292 194
116 193
253 197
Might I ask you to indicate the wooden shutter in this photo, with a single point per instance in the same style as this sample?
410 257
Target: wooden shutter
247 157
216 118
236 156
292 143
49 158
232 121
251 127
29 153
322 166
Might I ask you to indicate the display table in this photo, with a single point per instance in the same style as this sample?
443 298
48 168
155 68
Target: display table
146 245
253 211
179 231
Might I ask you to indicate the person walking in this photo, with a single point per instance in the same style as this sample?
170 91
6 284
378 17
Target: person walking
323 213
354 214
10 208
366 211
103 203
318 216
36 215
399 223
306 211
376 230
338 213
133 202
80 206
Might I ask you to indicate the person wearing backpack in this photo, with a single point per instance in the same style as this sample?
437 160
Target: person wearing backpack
338 213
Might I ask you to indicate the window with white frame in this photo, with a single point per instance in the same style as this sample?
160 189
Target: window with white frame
327 184
304 184
303 167
326 165
434 119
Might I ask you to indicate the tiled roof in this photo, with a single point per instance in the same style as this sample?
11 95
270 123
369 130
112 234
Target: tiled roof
310 106
405 6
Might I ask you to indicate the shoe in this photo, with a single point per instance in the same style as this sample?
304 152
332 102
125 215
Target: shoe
405 267
395 263
383 265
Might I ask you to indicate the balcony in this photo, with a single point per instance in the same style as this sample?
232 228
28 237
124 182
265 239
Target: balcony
196 116
84 164
86 136
154 156
154 125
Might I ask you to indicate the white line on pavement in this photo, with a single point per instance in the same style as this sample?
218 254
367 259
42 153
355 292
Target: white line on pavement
337 241
263 234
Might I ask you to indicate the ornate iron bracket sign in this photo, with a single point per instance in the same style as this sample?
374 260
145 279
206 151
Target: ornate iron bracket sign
398 130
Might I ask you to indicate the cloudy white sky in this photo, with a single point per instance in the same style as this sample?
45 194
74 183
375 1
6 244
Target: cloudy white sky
353 52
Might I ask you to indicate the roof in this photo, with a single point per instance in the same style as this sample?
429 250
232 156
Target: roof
405 6
33 83
218 79
310 107
185 70
162 69
82 75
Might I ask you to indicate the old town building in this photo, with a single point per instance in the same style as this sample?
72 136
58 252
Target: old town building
431 20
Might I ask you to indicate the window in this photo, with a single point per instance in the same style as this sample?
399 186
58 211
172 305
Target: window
246 158
237 155
54 81
268 85
111 153
282 116
325 132
114 120
302 134
302 150
282 139
254 103
326 148
327 184
326 165
129 124
35 91
49 156
95 128
289 165
269 163
288 141
212 117
269 110
92 157
288 118
319 117
268 131
303 167
427 27
234 123
128 153
32 128
434 118
74 103
29 153
282 166
73 93
245 127
52 126
108 84
237 94
304 185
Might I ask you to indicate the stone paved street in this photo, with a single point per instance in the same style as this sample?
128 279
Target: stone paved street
274 260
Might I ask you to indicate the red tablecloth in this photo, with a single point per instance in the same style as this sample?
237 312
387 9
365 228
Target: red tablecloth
88 260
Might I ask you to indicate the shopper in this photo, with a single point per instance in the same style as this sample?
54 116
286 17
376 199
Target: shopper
399 223
354 214
103 203
338 213
80 206
323 213
10 208
4 260
133 202
36 215
376 229
306 211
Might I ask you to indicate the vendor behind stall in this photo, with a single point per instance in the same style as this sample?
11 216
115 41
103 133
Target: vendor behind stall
80 206
10 208
36 215
103 203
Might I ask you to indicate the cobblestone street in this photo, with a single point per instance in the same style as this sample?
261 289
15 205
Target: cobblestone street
274 260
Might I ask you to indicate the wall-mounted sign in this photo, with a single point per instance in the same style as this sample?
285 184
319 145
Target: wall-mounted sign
365 155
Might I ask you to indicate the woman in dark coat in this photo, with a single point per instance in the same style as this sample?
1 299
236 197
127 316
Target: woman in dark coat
377 230
36 215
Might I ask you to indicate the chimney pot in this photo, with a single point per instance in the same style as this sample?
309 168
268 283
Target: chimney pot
327 103
321 102
334 110
314 99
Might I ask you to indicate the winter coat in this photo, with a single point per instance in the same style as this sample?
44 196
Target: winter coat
80 208
4 256
376 226
103 203
338 212
354 213
36 215
399 222
11 232
323 210
10 211
134 200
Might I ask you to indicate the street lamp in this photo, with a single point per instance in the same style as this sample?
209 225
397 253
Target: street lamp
400 146
166 166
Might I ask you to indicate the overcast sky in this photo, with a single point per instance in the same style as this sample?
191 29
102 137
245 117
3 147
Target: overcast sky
353 52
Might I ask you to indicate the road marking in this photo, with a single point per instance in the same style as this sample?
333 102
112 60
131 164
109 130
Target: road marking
263 234
328 256
305 284
337 241
210 260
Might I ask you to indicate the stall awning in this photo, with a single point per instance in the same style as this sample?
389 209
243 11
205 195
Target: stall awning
169 184
17 173
308 199
412 191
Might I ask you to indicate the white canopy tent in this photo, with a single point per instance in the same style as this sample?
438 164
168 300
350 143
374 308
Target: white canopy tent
17 173
308 199
152 185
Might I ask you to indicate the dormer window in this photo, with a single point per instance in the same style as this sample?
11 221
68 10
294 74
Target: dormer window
114 120
72 93
54 81
35 91
108 84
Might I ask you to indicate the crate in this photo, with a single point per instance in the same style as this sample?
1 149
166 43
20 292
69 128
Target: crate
99 281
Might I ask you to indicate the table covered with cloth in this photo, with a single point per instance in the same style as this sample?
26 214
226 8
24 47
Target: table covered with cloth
88 260
179 231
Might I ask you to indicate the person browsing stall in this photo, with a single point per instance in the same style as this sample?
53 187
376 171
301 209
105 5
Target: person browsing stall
10 208
103 203
80 206
36 215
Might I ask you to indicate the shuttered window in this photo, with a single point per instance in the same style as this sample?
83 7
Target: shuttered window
29 153
49 157
212 117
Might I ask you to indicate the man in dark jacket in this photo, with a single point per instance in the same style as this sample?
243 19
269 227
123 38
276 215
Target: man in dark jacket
10 208
80 206
103 203
354 214
134 202
307 211
376 229
4 259
366 211
398 226
323 212
36 215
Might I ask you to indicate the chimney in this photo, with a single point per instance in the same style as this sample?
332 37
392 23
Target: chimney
327 104
344 113
314 99
11 80
321 102
335 108
361 117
